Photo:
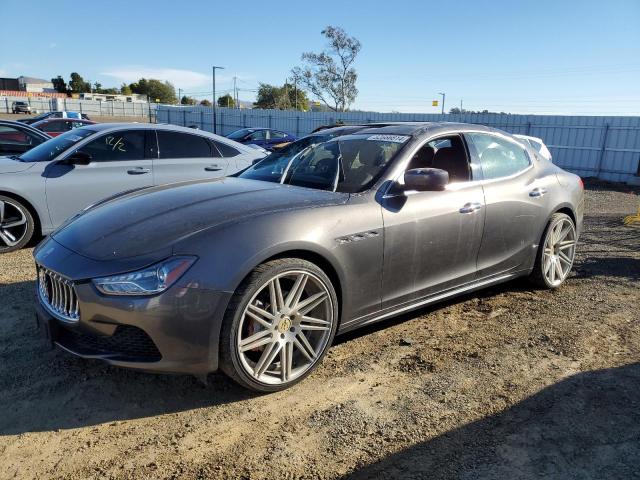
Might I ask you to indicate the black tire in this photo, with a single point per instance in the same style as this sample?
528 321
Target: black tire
537 276
12 205
230 362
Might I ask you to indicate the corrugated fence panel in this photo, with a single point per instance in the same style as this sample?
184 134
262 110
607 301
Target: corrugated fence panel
604 147
89 107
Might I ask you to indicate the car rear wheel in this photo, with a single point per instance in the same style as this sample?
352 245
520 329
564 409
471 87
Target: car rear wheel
556 252
16 225
279 324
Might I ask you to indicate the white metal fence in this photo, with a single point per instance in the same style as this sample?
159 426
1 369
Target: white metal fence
603 147
89 107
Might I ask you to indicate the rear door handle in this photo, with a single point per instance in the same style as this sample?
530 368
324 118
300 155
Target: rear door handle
537 192
471 207
138 171
213 168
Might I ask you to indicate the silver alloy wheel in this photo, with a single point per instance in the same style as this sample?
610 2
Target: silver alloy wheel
13 224
559 251
285 327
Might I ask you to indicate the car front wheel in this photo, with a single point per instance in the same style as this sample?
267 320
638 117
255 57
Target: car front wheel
16 225
555 253
279 324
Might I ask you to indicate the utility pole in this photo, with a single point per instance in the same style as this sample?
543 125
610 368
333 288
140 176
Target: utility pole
235 92
215 127
460 105
179 96
442 93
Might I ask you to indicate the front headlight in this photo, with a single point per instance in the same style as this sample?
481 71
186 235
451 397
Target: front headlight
154 279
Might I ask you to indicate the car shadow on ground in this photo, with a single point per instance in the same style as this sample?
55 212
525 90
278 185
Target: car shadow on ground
585 426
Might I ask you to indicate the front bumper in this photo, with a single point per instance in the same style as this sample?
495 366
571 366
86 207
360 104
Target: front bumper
176 331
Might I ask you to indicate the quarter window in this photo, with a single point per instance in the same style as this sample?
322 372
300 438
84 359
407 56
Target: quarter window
124 145
499 157
183 145
225 149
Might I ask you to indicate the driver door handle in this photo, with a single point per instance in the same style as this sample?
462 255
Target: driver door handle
537 192
471 207
138 171
213 168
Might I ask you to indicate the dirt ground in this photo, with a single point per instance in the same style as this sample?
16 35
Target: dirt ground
95 118
506 383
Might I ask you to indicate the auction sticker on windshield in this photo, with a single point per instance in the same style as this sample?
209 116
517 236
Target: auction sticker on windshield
389 138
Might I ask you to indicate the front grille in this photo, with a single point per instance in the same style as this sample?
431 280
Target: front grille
128 343
58 295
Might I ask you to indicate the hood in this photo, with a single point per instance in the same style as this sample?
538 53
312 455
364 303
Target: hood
155 219
9 165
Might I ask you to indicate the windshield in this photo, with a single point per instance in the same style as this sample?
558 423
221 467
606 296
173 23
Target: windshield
347 164
239 133
52 148
271 168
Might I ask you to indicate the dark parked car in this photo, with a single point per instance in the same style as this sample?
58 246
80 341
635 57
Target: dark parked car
255 274
17 138
267 138
21 107
58 126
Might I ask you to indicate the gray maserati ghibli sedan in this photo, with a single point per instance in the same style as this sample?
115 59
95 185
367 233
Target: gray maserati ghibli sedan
42 187
255 274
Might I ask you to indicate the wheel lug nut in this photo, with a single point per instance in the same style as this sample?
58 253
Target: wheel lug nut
292 329
282 335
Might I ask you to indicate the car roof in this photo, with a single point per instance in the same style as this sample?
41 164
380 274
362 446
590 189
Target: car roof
413 129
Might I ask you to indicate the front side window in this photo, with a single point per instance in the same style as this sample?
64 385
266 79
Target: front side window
116 146
275 135
224 149
183 145
446 153
498 156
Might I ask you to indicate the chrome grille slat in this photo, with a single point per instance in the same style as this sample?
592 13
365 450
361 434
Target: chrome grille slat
58 295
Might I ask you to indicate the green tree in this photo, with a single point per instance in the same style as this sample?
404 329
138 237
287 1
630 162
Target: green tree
205 103
78 85
59 84
226 101
187 100
329 75
164 92
286 97
125 89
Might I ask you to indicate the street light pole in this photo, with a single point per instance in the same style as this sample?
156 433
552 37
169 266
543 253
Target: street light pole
442 93
215 128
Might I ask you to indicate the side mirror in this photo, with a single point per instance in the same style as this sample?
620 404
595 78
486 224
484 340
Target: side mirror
426 179
78 158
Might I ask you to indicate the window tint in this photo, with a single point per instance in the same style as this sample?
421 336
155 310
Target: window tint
183 145
499 157
13 140
124 145
276 135
225 149
259 135
55 127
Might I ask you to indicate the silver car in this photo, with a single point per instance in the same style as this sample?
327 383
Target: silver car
255 274
43 187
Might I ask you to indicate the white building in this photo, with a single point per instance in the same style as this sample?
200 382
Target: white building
108 97
36 85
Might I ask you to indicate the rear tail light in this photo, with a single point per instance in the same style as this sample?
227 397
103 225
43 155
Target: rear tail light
581 183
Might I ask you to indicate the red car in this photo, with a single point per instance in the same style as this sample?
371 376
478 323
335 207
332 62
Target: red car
57 126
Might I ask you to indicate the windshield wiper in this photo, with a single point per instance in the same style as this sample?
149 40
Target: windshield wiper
14 157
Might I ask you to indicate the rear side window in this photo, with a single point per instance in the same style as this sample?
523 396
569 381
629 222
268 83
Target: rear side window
116 146
499 157
183 145
56 127
225 149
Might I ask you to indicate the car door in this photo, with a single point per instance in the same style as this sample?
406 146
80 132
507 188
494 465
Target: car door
259 137
185 156
516 204
120 161
276 137
432 238
15 140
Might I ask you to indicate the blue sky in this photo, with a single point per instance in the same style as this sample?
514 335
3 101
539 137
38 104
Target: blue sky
577 57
